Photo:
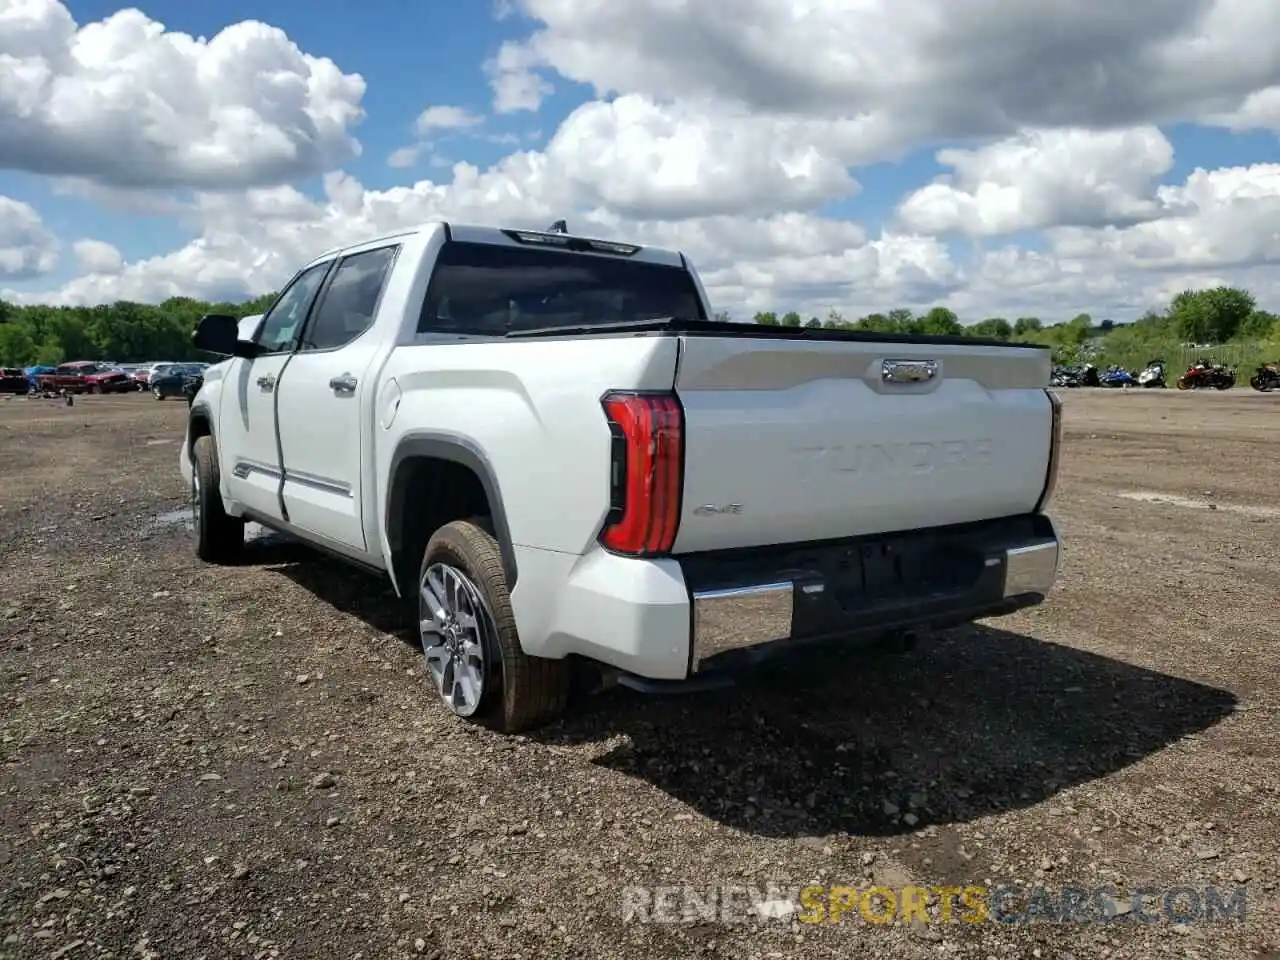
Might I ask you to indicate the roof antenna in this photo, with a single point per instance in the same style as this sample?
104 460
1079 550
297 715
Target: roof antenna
559 227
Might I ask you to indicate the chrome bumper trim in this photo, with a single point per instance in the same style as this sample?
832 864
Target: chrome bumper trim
1030 569
737 617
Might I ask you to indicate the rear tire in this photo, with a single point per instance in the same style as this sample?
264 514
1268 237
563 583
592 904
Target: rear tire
219 536
518 692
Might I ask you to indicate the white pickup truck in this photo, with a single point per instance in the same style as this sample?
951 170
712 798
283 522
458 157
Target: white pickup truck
553 453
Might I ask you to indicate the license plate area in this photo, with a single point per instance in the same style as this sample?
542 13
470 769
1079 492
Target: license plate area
896 571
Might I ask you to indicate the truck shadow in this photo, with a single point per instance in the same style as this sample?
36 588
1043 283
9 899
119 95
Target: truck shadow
973 722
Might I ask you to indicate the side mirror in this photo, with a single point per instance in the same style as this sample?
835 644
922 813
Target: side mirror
220 333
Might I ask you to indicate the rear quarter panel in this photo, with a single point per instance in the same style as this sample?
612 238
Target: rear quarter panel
532 408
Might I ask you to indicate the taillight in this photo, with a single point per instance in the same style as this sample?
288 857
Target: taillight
1055 451
646 467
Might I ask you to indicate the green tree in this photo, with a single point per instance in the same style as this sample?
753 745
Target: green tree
1025 326
992 328
901 319
1258 325
766 319
122 331
940 322
791 319
1211 316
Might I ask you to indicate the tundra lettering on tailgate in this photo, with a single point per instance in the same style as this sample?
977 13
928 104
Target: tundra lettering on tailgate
898 459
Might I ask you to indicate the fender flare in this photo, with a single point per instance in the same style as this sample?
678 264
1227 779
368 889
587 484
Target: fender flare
200 411
466 453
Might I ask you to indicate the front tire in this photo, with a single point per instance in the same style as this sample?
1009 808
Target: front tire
155 392
469 638
219 536
1183 383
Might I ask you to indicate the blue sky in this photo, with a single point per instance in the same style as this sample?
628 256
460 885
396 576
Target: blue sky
413 57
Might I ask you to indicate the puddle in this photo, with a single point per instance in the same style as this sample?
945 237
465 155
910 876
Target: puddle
184 516
1190 503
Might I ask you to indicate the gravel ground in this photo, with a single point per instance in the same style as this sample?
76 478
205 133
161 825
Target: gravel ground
204 762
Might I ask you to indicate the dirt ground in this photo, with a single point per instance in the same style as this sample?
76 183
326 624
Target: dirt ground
245 762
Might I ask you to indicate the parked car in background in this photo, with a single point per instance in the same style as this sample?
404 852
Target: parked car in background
147 371
13 380
130 370
173 380
85 376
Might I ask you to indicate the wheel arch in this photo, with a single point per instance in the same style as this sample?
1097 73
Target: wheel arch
199 424
453 470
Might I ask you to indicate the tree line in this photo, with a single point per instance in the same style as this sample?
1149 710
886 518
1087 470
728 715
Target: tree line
133 332
1219 316
123 331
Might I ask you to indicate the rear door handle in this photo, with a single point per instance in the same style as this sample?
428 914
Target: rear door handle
267 383
343 384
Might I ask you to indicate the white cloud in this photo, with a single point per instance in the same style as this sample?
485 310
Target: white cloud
1227 218
516 85
252 242
926 70
646 160
95 256
403 158
446 118
27 247
1042 179
726 134
124 102
1259 111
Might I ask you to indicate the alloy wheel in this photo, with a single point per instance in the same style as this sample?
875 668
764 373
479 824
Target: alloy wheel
454 625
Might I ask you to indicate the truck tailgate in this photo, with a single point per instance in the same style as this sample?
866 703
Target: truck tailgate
792 441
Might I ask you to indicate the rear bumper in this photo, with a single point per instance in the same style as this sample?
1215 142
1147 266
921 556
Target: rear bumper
1010 565
671 618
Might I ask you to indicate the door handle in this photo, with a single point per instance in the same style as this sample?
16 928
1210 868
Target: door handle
343 384
267 383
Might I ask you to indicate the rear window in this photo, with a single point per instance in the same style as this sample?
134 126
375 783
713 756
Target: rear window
487 289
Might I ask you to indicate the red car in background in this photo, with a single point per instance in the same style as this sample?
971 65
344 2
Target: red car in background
86 376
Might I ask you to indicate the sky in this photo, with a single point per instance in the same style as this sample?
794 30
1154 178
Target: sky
1000 157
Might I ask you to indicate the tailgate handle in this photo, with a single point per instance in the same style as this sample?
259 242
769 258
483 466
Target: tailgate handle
908 371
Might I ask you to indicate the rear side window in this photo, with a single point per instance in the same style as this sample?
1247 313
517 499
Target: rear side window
488 289
348 304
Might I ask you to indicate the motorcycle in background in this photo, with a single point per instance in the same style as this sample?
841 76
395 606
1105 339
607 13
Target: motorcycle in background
1206 374
1153 375
1116 377
1266 378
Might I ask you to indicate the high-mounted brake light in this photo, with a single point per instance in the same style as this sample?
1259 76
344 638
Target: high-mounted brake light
557 238
1055 451
647 464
